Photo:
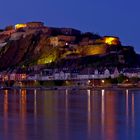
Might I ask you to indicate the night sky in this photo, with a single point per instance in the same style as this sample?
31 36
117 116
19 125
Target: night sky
106 17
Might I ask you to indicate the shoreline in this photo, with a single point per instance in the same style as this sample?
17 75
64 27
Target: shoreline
73 87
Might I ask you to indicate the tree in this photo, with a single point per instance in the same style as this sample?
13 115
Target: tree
122 78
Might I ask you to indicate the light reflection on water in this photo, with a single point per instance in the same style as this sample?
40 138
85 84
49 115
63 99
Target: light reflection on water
70 114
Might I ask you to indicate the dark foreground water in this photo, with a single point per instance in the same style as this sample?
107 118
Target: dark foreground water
70 115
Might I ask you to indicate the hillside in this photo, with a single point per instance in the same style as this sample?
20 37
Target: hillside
30 44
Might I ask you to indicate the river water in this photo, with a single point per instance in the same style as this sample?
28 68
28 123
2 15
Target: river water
69 114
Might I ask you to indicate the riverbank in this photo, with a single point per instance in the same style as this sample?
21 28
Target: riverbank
76 87
68 84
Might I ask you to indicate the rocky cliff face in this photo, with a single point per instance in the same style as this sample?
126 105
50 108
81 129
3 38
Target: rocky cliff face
23 51
28 47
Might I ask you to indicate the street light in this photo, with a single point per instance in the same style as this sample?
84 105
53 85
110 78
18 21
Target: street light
103 81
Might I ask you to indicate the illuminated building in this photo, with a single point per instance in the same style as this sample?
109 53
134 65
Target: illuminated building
29 25
110 40
19 26
61 40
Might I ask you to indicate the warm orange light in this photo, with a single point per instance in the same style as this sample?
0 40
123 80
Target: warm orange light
111 40
6 77
19 26
23 76
103 81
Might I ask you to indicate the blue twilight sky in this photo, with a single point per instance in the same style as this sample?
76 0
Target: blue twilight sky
106 17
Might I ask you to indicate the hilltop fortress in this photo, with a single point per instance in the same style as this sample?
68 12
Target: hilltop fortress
49 44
